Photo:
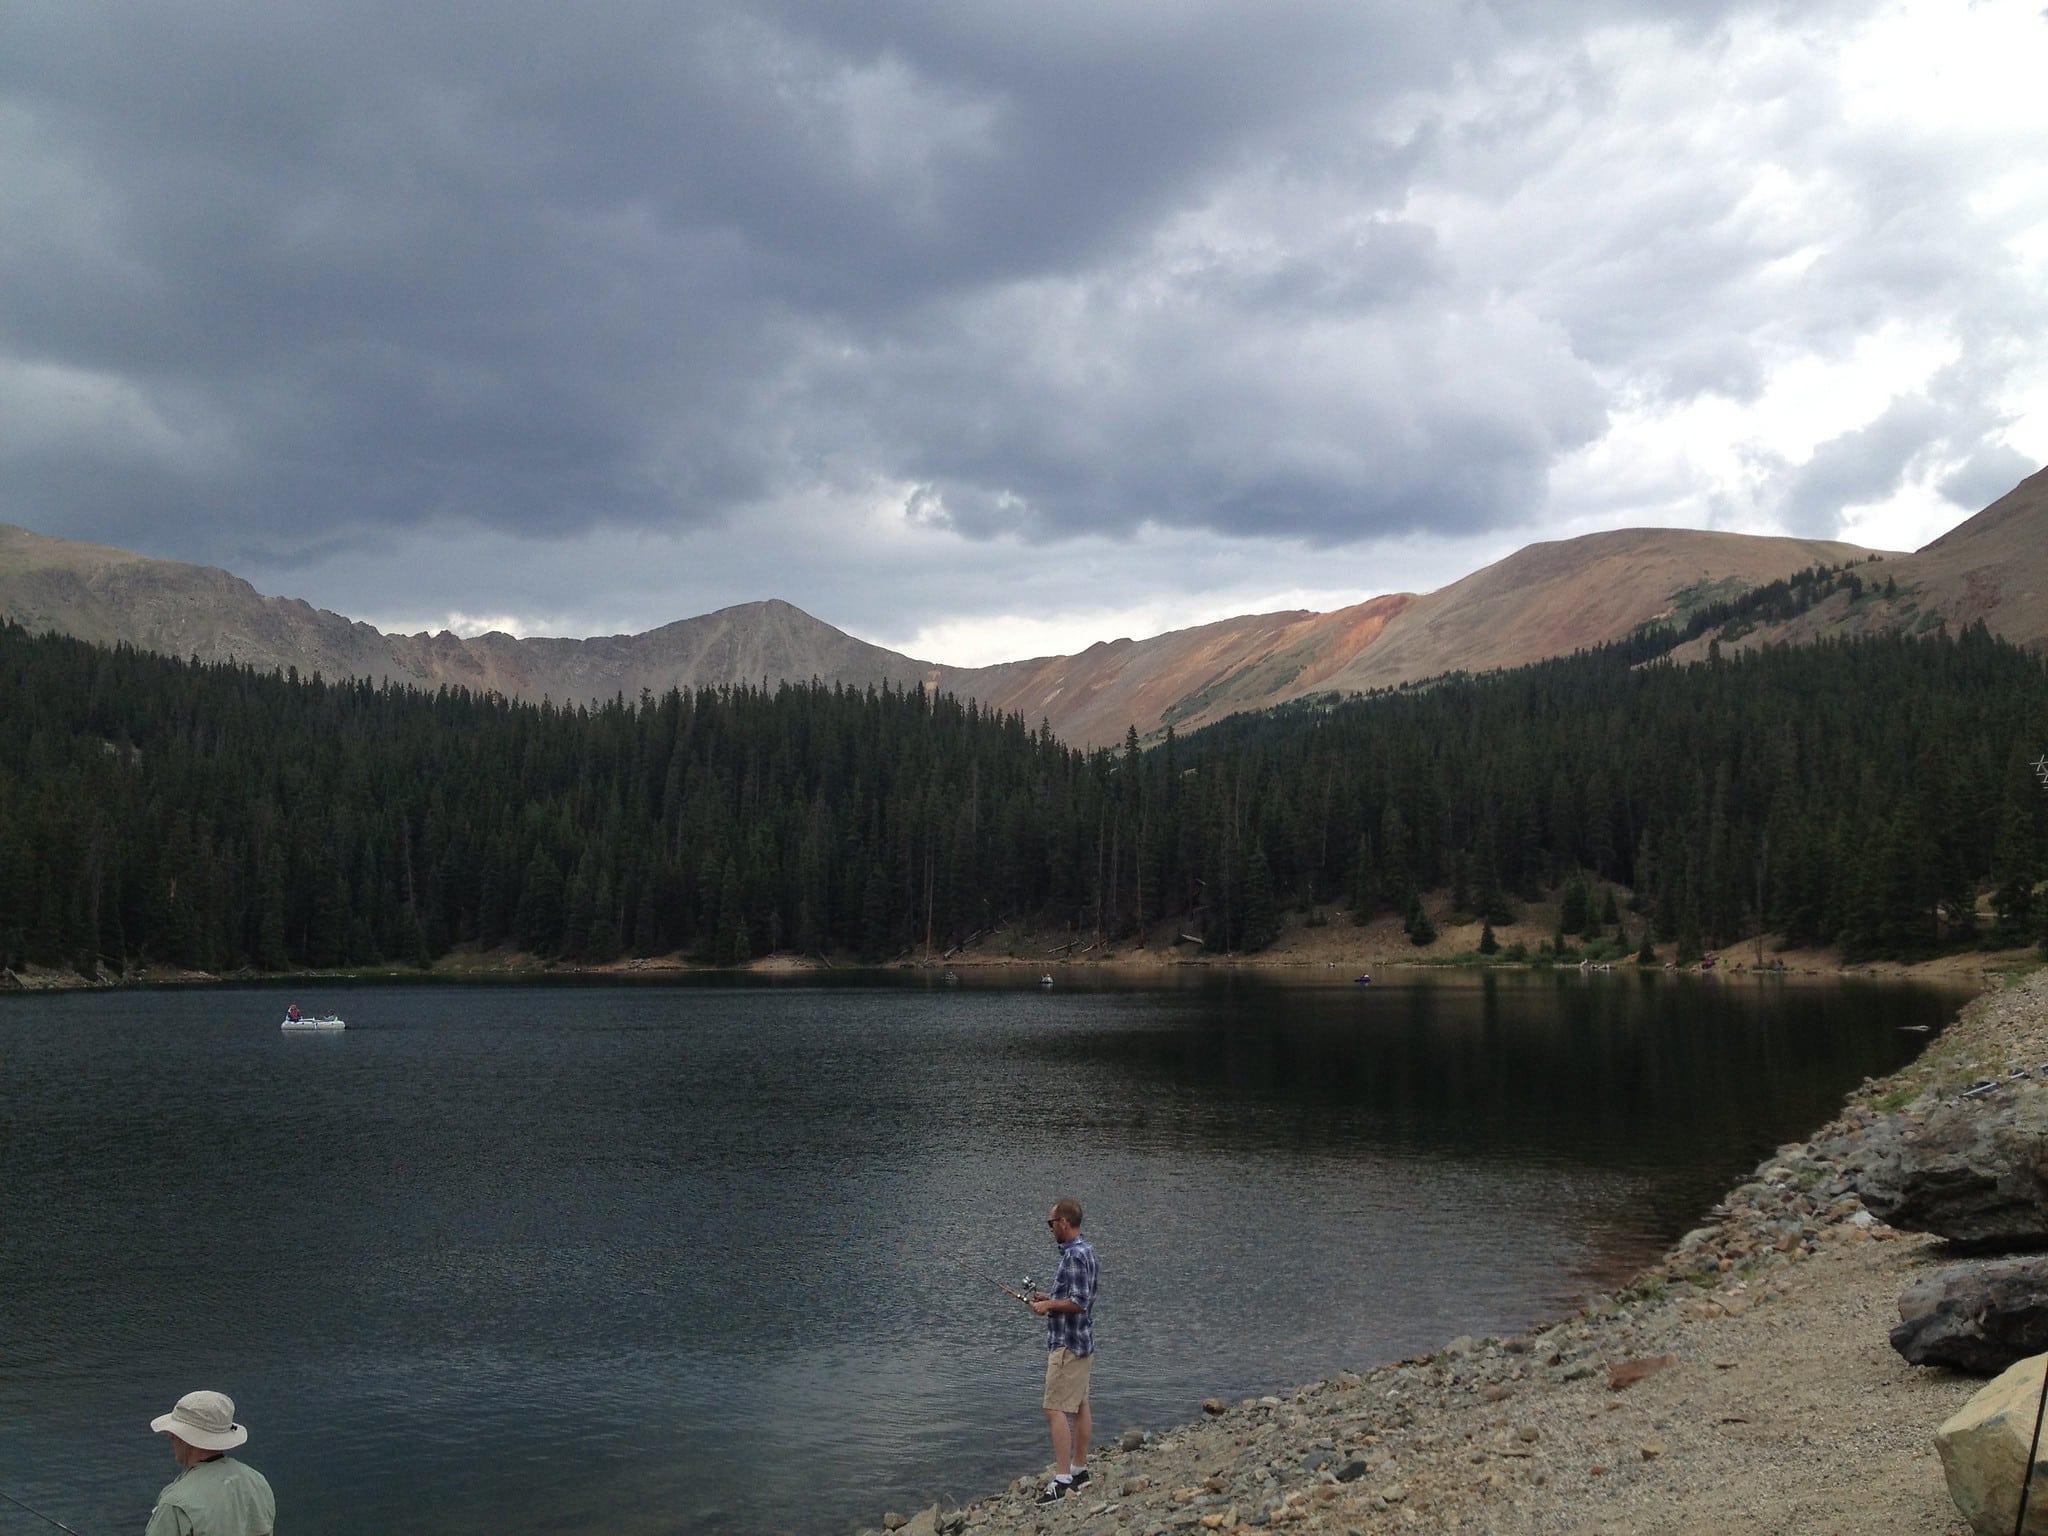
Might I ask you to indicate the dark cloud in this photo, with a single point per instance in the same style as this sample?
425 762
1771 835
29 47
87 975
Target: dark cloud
1939 433
1987 475
1858 467
279 277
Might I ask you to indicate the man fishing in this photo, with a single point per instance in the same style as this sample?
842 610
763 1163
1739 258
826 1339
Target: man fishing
213 1494
1069 1313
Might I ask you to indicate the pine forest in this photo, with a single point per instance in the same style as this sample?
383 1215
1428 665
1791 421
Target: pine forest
1866 794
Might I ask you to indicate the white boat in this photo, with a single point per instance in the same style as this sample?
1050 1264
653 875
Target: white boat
295 1021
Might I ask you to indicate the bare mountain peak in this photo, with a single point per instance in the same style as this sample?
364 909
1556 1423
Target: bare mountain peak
2023 506
1546 599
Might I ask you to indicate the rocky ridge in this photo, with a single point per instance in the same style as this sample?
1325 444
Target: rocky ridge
1546 600
1745 1382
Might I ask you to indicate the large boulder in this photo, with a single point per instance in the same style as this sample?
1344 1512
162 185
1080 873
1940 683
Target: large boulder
1983 1452
1974 1171
1978 1318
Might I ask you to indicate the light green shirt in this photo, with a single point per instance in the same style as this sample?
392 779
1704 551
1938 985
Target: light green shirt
220 1497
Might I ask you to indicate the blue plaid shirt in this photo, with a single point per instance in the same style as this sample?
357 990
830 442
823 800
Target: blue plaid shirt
1075 1282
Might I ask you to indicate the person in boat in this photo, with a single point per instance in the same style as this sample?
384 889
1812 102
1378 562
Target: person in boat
292 1013
1069 1313
213 1494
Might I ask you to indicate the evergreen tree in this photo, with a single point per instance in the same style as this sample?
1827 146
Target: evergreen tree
1420 929
540 923
1575 906
1261 910
2016 866
1688 941
1365 883
877 928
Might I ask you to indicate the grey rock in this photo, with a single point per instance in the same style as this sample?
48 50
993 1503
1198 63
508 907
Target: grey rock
1974 1171
1132 1439
1983 1451
1979 1318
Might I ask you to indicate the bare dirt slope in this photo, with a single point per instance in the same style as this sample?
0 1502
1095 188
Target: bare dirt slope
107 595
1555 598
1546 600
1992 569
1184 679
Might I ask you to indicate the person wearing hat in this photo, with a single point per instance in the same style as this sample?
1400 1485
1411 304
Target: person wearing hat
215 1495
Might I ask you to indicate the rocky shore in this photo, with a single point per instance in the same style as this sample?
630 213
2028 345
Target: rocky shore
1744 1383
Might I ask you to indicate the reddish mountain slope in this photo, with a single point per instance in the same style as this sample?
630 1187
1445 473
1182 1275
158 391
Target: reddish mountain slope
1185 678
1546 600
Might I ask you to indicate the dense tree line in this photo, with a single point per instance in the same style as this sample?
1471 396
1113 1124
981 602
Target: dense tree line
1852 792
214 817
1773 602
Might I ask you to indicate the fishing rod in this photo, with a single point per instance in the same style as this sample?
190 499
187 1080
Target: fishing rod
1007 1290
1012 1291
2019 1523
10 1498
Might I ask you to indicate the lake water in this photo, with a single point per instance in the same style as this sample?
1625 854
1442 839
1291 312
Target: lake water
690 1258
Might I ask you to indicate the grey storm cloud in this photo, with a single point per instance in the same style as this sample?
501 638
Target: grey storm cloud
290 266
1860 466
1947 428
290 273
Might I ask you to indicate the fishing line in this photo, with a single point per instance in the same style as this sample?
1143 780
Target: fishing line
10 1498
1008 1290
2027 1478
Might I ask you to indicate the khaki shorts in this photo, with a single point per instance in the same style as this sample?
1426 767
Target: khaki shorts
1066 1381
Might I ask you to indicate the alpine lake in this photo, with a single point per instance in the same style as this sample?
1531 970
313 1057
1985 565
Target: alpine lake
717 1255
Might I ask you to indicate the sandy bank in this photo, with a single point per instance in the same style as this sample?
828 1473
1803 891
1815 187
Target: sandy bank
1330 943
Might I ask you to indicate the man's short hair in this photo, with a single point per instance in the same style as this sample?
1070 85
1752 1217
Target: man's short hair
1068 1209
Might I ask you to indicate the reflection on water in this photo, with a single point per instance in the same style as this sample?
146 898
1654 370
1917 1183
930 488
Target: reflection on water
698 1257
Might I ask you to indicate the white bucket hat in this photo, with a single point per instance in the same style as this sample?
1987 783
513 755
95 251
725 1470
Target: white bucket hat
204 1419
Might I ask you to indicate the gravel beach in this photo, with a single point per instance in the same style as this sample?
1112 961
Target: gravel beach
1744 1383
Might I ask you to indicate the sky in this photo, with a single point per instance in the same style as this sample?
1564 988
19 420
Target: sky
984 331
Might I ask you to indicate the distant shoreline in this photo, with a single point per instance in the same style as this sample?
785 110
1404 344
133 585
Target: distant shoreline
1346 950
1326 939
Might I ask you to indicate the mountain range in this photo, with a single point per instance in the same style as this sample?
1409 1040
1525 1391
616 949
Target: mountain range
1544 600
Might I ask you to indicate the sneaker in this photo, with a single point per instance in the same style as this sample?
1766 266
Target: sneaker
1081 1478
1055 1491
